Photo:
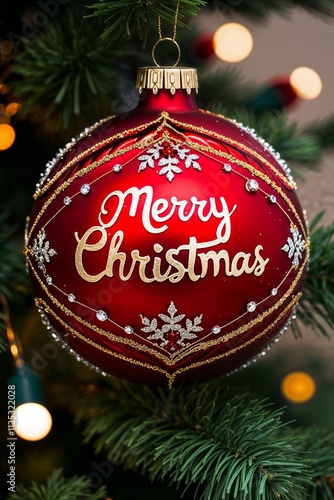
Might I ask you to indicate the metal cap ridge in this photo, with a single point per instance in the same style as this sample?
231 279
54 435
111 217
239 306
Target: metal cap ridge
167 77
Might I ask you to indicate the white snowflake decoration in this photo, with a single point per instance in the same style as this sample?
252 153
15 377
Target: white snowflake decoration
169 155
172 334
294 246
41 250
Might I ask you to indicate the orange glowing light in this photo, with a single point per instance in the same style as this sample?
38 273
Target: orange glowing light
298 387
7 136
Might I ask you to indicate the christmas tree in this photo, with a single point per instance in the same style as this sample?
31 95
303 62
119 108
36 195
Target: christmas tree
264 431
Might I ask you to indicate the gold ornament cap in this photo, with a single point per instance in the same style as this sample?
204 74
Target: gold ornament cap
167 77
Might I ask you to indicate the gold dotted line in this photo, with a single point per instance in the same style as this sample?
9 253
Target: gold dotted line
198 364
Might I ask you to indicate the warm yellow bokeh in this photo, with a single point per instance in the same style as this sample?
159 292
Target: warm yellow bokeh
32 421
298 387
7 136
232 42
306 83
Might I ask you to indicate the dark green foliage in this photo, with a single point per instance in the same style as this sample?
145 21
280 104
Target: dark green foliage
58 487
323 130
300 149
13 277
66 77
126 18
316 308
228 89
227 446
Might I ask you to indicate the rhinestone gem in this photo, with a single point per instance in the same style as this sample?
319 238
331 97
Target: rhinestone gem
227 167
274 291
216 329
85 188
71 297
67 200
251 306
117 168
101 315
49 280
128 330
272 198
252 185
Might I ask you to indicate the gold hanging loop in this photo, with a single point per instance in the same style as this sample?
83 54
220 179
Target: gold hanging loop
163 39
168 40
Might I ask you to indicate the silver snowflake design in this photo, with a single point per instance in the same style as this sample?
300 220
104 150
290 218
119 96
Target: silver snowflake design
41 250
294 246
169 154
172 335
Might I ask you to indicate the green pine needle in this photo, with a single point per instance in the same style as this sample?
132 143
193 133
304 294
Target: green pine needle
226 446
316 307
13 276
127 18
58 487
67 78
300 149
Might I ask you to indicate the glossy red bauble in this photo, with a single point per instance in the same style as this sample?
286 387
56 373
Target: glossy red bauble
167 245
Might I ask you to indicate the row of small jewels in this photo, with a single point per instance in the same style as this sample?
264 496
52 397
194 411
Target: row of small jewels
102 316
251 185
59 156
85 188
268 148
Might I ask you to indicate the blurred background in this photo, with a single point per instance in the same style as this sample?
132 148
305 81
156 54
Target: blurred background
280 45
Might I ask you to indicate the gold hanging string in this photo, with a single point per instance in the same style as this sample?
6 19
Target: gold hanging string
175 23
173 39
13 340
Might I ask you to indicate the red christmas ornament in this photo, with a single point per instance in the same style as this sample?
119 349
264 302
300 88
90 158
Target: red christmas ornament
169 244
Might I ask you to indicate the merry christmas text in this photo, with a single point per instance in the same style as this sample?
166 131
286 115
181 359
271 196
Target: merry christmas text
177 262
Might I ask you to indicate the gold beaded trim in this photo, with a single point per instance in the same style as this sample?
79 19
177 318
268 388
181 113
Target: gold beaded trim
146 143
171 377
180 354
163 119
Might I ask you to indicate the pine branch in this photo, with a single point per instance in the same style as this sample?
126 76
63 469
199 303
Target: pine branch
128 18
227 446
67 78
125 19
316 307
13 277
323 130
58 487
301 150
228 87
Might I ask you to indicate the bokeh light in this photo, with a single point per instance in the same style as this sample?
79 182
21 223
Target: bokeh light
306 82
12 108
232 42
7 136
32 421
298 387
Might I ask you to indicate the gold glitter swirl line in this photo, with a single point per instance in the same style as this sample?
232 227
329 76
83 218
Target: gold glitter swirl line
255 172
242 329
241 146
235 349
100 331
180 355
78 175
99 347
115 338
92 149
146 143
